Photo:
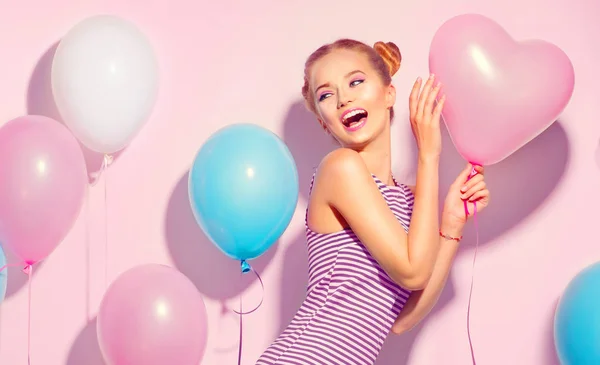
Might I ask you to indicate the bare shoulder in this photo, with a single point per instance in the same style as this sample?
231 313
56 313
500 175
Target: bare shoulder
341 163
335 171
343 174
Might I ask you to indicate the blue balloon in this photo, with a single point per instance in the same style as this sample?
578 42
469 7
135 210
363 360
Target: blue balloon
577 320
3 275
243 189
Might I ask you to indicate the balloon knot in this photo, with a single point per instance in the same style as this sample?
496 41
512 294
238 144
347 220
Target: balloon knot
245 266
108 159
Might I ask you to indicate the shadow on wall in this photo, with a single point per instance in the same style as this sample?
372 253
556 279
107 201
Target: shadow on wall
520 184
551 357
541 164
215 274
85 349
16 278
40 101
308 143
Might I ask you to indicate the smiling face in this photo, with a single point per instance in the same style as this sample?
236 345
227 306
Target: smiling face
351 100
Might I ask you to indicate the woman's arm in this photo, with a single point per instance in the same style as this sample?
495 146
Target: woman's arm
420 303
466 187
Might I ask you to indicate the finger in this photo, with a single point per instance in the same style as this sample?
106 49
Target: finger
423 96
464 174
413 98
437 112
476 170
471 182
428 111
480 195
472 190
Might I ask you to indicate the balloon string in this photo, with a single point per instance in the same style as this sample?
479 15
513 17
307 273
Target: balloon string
246 268
473 173
13 265
107 162
241 333
28 269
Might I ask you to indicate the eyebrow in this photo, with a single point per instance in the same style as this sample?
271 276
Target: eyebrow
328 84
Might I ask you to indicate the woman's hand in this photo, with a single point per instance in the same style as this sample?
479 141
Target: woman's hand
425 118
472 190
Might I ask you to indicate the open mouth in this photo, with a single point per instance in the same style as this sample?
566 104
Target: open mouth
354 118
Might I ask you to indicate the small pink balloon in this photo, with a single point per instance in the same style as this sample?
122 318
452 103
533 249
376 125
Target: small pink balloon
500 93
152 315
42 185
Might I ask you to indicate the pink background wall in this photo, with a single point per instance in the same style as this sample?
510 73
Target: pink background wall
230 61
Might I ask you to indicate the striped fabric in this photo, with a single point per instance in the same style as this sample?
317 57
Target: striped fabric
351 303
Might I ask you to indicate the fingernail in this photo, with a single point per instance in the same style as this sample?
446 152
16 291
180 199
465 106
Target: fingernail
464 188
431 76
419 79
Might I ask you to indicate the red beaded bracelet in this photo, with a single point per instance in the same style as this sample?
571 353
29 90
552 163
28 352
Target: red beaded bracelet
457 239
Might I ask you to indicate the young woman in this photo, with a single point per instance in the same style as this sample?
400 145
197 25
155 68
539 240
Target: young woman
379 253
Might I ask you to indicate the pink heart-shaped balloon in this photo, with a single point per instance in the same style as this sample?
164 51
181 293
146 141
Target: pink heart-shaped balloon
500 93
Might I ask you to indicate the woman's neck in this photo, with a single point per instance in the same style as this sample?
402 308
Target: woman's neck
378 158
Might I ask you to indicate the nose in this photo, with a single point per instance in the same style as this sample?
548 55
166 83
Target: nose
343 100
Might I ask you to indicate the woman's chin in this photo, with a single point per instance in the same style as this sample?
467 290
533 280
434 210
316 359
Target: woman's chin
357 144
359 139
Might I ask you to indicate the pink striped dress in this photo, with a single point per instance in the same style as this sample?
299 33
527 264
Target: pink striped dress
351 303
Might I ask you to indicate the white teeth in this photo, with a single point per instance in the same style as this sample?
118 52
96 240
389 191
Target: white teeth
353 113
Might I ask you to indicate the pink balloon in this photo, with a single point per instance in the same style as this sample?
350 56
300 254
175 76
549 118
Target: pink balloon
500 94
152 315
42 185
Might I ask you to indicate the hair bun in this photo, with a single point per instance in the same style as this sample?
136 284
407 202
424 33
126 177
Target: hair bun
390 54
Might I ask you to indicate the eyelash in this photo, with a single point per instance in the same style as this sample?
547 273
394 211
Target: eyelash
358 81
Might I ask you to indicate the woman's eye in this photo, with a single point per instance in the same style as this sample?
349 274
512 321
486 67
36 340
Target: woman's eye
324 96
356 82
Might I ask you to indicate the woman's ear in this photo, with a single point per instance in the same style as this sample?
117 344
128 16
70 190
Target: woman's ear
322 123
390 96
324 126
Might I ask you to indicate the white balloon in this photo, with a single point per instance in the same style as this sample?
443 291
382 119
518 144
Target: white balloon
105 82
